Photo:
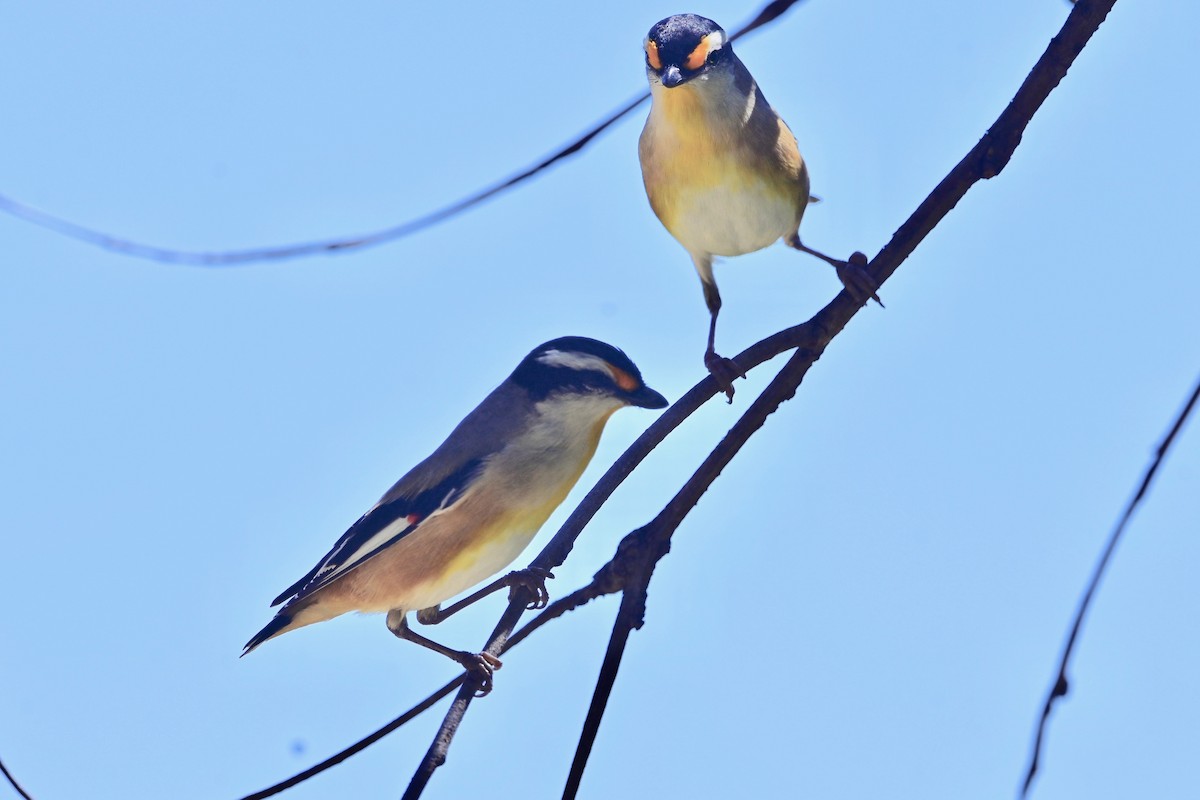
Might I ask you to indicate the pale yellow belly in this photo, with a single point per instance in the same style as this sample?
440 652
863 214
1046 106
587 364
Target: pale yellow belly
731 219
488 556
430 566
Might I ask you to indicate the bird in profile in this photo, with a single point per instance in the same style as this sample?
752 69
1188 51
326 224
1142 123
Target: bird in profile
722 170
469 509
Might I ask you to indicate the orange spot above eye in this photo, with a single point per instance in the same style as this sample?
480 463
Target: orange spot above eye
652 55
624 380
696 59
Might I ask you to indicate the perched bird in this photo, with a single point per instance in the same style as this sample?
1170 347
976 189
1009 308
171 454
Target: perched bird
468 510
722 169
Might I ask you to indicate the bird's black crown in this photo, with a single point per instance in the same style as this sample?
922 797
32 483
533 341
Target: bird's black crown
582 365
677 38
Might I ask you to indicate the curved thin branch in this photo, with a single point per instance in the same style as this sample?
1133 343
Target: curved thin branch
13 782
360 745
230 258
1060 686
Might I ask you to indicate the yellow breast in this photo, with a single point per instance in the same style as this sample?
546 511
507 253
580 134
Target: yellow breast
725 178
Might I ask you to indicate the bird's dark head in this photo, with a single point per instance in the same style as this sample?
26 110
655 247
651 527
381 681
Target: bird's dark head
684 46
582 366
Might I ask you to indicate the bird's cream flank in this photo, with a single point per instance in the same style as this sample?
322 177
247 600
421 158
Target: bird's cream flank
722 170
468 510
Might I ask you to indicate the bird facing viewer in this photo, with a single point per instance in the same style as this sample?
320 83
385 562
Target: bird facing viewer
721 168
468 510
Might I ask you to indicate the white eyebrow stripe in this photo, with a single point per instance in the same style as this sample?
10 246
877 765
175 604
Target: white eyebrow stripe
579 361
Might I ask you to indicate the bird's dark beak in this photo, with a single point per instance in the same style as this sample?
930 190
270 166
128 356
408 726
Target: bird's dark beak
645 397
671 77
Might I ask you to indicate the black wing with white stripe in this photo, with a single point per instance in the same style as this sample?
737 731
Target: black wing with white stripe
380 528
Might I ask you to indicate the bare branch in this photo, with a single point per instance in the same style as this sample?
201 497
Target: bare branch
13 781
628 618
230 258
1060 687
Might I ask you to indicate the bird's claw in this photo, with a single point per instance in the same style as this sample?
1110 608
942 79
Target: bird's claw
533 579
724 372
481 667
858 282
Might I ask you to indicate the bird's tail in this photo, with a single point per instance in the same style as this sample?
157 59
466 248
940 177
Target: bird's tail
282 622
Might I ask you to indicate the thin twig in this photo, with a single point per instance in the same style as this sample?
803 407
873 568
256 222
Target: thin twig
1060 687
229 258
358 746
13 782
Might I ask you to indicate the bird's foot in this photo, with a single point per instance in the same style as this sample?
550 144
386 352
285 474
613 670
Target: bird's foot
481 667
724 371
533 579
858 282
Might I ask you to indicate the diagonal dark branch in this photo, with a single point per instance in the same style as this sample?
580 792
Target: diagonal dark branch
650 544
228 258
13 781
360 745
992 153
1060 680
626 621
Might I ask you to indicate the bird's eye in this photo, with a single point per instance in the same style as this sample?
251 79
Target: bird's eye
714 56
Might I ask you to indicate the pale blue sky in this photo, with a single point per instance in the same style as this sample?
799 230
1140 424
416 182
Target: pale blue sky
870 600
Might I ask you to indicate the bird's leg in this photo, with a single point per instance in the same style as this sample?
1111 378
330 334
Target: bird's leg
853 273
724 370
478 665
532 578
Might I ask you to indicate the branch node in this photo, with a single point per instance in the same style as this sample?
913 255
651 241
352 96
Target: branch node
635 558
998 152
